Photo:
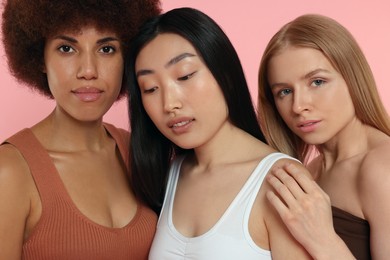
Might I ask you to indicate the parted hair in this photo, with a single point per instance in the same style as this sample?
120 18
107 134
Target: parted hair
26 25
343 52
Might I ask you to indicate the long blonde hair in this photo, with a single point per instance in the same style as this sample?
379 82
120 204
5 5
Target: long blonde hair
341 49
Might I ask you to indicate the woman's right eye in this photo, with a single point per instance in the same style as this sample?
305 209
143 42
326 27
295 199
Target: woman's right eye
65 49
281 90
149 90
284 92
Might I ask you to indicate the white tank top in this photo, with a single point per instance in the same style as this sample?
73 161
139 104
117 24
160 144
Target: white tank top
228 239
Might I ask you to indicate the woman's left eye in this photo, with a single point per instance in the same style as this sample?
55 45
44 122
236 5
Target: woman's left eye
318 82
186 77
107 49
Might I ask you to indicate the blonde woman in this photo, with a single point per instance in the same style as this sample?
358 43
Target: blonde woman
317 94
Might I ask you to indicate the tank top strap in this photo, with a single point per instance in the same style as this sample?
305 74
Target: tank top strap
265 165
249 191
41 166
122 139
170 190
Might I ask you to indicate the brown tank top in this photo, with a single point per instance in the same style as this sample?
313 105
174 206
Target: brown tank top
63 232
354 231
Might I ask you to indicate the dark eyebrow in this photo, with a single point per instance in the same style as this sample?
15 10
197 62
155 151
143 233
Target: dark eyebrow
107 39
171 62
66 38
178 58
143 72
73 40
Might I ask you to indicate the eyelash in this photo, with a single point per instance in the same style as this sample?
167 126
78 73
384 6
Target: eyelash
112 49
102 49
282 94
320 81
150 90
316 83
61 48
186 77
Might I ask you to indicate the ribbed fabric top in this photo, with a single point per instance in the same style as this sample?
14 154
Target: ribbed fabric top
63 232
354 231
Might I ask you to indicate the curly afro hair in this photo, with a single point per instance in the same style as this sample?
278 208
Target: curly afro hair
27 24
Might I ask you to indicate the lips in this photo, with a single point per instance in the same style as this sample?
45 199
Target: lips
88 94
308 126
180 125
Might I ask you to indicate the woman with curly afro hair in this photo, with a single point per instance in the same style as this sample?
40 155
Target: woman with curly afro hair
65 191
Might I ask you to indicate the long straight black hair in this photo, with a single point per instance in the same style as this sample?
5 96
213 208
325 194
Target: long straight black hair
150 151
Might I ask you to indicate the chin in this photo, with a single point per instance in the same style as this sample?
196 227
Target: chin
184 145
313 141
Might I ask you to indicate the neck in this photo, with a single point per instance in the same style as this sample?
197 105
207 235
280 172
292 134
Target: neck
230 145
61 133
349 142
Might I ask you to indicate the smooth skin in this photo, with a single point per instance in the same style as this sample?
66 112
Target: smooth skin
184 101
84 72
352 173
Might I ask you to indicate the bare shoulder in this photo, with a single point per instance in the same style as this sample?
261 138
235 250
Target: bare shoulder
16 182
291 161
374 185
267 228
374 173
12 163
377 157
16 187
281 242
15 177
376 163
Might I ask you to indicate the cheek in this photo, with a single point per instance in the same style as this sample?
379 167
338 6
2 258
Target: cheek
113 71
284 111
119 71
58 79
215 102
119 66
283 108
58 72
152 108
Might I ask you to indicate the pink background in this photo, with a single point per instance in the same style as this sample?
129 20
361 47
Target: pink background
249 24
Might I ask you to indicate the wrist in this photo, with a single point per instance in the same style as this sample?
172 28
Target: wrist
335 248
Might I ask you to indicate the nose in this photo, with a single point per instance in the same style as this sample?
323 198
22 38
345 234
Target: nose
301 101
171 99
88 67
